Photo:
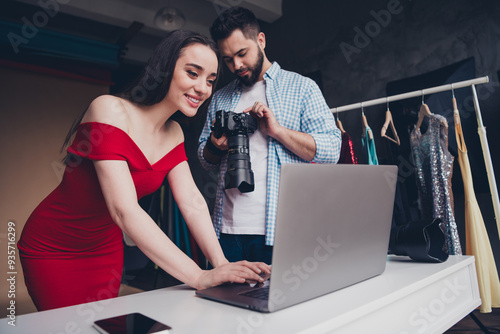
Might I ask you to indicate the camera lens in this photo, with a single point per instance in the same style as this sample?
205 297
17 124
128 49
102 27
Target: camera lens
237 127
239 172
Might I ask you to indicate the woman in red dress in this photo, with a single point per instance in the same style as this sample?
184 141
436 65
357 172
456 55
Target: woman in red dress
71 247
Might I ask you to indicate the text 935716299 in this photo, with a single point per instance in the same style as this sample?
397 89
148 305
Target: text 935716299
11 272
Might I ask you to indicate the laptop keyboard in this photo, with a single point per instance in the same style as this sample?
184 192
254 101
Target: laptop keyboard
261 293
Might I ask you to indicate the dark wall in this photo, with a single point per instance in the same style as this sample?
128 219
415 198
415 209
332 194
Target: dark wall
359 47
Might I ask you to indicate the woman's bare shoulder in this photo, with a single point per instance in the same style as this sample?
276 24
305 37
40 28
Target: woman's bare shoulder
108 109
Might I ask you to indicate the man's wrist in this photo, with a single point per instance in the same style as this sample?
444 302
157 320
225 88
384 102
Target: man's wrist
279 133
213 149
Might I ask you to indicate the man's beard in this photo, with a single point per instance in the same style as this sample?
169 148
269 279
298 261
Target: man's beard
255 71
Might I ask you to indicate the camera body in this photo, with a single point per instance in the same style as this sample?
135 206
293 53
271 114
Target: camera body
237 127
233 124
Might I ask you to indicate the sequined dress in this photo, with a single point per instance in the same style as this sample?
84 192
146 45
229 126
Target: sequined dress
347 155
433 168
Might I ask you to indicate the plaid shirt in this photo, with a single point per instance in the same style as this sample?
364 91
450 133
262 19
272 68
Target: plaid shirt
297 104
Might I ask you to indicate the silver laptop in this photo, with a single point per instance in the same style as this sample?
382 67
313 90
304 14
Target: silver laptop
332 230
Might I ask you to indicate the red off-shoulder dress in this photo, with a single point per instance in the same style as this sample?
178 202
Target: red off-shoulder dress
71 250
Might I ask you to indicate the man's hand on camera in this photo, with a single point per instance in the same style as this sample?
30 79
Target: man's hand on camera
267 121
220 143
300 143
215 148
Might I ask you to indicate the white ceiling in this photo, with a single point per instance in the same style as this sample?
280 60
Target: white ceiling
199 15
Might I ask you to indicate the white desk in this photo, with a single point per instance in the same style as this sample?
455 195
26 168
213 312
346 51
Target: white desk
408 297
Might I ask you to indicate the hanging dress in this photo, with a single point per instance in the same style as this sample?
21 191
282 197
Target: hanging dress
434 167
477 241
369 151
347 155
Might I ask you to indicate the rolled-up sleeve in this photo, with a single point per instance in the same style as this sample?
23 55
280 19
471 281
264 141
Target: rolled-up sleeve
317 120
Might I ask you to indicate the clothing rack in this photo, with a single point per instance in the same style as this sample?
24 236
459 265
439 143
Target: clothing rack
481 128
416 93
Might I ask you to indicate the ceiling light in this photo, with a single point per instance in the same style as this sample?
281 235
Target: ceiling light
169 18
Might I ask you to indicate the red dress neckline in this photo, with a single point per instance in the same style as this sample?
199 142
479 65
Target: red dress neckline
134 144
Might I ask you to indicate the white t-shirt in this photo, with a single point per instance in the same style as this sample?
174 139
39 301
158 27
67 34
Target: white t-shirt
245 213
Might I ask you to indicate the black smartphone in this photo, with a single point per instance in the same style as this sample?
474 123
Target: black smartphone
133 323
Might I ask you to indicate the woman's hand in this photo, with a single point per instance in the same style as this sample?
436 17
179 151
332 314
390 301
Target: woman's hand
236 272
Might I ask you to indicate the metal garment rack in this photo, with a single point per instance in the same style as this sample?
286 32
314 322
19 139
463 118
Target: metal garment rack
481 128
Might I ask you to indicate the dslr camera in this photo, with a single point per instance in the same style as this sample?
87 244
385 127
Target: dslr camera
237 127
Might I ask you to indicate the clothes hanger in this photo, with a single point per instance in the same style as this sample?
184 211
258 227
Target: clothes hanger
365 123
339 123
458 127
389 122
424 111
456 114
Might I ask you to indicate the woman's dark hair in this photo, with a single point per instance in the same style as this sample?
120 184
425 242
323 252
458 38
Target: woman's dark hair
232 19
153 83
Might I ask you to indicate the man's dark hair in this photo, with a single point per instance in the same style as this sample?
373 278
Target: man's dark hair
232 19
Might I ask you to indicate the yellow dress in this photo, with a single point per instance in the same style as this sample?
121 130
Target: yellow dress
477 241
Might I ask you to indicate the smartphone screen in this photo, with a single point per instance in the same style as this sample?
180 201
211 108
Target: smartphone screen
133 323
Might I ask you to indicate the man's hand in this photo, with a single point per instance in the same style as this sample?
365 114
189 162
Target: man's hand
267 121
300 143
220 143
